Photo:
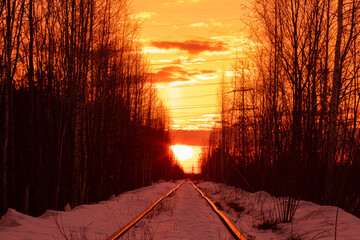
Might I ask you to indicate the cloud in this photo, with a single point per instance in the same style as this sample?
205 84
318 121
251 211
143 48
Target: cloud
180 2
181 60
201 24
166 61
182 127
158 50
236 42
192 46
199 72
144 15
169 74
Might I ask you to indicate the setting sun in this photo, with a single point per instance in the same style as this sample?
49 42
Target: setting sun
183 152
191 45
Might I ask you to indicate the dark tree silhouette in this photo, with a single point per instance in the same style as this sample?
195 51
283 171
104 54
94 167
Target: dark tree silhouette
290 123
80 119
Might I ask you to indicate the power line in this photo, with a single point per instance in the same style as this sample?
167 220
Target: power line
200 61
190 97
202 85
181 108
196 10
184 24
194 115
197 105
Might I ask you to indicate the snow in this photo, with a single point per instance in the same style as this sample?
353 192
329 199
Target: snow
95 221
311 221
183 215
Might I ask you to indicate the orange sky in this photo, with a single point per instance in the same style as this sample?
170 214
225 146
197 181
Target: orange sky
191 44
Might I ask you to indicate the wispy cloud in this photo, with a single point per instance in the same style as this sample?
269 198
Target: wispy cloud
192 46
202 123
236 42
200 24
170 74
157 50
166 62
144 15
181 60
180 2
222 25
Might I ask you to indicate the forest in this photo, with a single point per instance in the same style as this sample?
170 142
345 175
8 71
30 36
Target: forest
80 119
290 115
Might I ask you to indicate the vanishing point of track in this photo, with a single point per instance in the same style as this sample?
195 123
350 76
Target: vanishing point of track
235 233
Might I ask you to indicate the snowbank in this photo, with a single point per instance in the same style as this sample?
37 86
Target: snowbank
311 221
95 221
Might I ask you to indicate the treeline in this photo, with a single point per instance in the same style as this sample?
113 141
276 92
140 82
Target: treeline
80 119
290 115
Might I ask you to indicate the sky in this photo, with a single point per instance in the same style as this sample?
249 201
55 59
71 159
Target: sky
191 46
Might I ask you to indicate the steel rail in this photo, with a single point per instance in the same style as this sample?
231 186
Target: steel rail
236 234
119 233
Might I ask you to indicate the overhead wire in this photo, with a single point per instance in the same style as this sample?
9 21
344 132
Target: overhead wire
190 97
196 62
182 108
193 105
185 24
194 115
201 85
196 10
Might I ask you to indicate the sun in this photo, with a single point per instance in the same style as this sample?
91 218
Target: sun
183 152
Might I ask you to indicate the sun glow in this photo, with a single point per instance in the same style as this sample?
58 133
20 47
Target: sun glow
183 152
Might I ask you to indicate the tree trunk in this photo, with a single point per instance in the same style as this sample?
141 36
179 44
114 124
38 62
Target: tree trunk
334 104
7 102
32 115
76 181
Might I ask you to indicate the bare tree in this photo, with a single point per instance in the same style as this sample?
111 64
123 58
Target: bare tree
303 116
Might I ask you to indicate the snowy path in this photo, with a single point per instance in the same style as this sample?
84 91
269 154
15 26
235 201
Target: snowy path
185 215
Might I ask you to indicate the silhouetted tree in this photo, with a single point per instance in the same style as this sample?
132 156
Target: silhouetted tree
80 117
294 127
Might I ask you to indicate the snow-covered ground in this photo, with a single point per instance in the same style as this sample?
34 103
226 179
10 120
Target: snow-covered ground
96 221
184 215
311 221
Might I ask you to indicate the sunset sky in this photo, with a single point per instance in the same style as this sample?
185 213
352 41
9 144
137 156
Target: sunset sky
190 45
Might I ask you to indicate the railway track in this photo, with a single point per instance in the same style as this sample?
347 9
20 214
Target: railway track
232 229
